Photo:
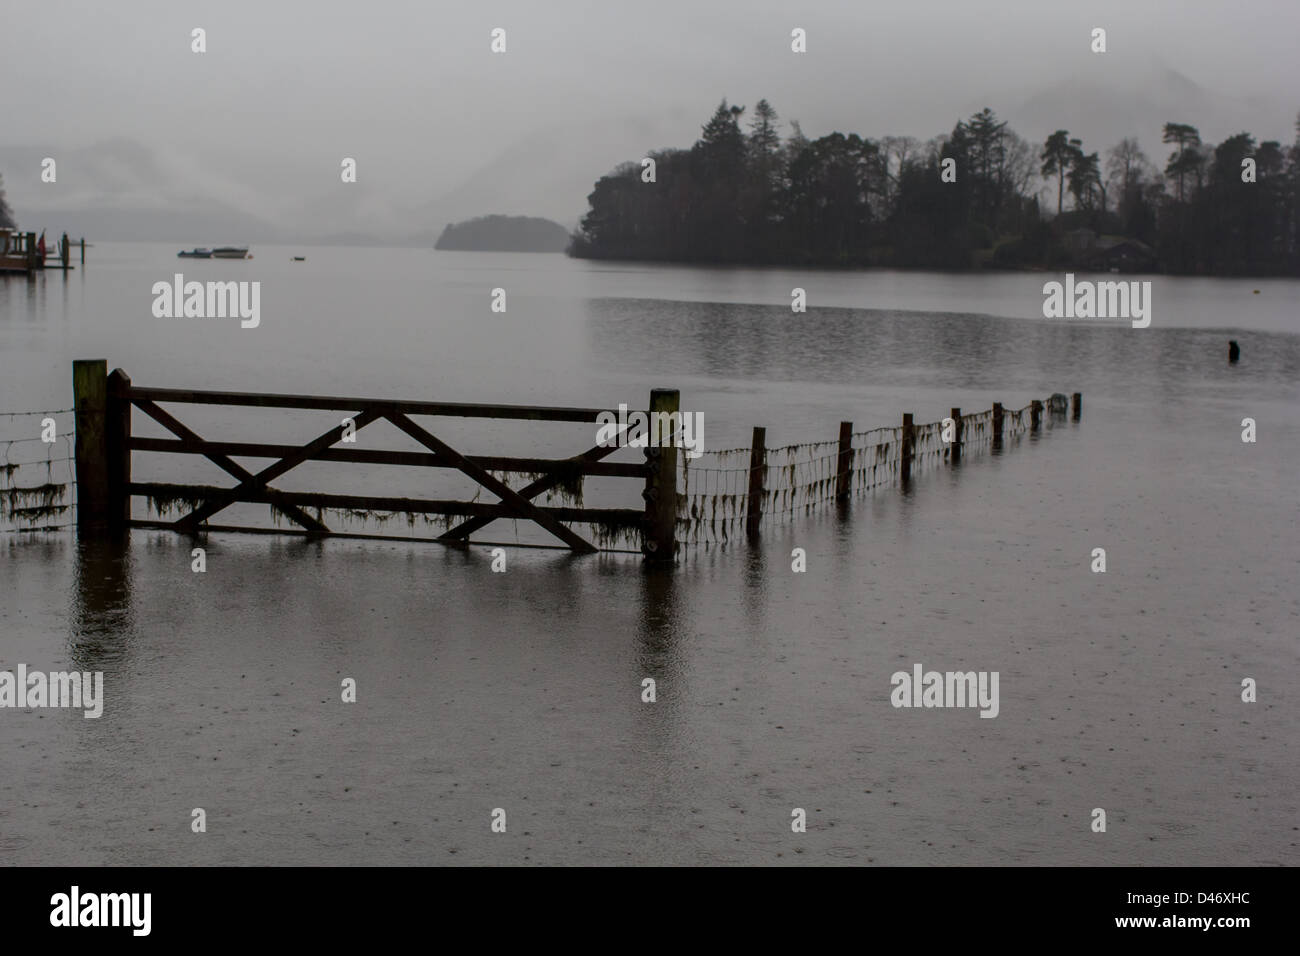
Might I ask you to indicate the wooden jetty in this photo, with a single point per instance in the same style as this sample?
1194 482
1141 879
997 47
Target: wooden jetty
19 252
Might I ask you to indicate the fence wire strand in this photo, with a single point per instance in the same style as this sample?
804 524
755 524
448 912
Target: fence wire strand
35 492
713 504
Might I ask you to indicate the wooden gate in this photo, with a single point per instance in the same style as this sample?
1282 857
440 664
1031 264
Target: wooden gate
105 442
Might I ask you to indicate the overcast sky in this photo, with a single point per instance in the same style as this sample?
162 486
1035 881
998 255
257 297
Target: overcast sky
443 128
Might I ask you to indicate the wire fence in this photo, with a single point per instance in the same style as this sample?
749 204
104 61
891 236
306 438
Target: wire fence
38 486
713 504
38 492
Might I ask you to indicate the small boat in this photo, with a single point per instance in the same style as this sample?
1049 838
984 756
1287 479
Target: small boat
299 258
229 252
195 254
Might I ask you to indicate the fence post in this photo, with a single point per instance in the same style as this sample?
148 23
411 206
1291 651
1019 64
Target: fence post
659 538
90 404
905 453
757 472
1077 401
1035 414
117 440
955 457
997 424
844 464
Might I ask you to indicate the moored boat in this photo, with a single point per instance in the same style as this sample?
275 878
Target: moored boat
195 254
230 252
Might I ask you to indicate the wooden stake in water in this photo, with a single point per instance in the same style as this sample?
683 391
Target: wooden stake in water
90 401
659 542
757 470
955 458
844 464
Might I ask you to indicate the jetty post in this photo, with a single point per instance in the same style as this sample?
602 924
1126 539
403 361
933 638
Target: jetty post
997 426
1035 415
1077 402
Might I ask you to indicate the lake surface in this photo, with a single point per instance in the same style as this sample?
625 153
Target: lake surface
522 690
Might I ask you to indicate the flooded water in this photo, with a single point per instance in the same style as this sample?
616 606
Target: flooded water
523 691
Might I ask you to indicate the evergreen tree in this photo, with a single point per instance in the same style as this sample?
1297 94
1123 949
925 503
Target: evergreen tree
6 214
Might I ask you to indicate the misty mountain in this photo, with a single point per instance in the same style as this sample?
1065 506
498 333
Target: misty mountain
122 189
1137 100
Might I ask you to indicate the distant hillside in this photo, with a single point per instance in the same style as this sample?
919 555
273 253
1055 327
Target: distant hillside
504 234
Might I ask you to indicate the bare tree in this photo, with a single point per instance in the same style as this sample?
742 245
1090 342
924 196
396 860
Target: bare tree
1125 164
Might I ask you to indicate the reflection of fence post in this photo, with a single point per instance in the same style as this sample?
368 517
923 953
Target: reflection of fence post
1035 414
955 457
659 540
844 464
90 398
1078 404
997 425
905 452
117 441
757 471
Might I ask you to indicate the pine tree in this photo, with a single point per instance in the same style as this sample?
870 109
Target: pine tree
6 214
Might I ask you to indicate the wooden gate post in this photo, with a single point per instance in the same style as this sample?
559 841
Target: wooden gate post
117 441
1078 404
905 453
1035 415
659 536
90 403
955 457
757 472
844 463
997 425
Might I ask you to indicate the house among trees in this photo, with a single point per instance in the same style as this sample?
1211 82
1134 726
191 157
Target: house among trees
1086 250
1122 254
